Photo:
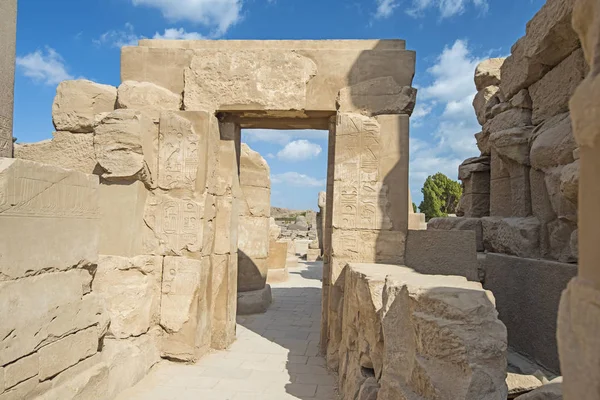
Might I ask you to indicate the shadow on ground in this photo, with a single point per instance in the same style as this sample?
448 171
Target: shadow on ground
293 322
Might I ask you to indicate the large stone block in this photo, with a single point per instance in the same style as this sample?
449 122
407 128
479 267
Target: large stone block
254 170
553 143
483 102
518 285
487 73
391 315
437 252
148 98
122 223
256 201
513 144
224 300
376 97
79 105
551 94
512 118
277 254
131 290
68 351
460 224
119 145
184 309
53 209
549 39
65 150
252 272
514 236
253 236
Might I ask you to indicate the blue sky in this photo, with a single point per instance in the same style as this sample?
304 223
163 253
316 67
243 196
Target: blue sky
68 39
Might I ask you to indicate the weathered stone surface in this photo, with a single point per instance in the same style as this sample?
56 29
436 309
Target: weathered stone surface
553 143
483 143
131 290
562 207
89 383
274 229
376 97
216 78
68 351
55 210
147 97
551 94
549 391
513 144
460 224
487 73
417 222
277 254
377 299
472 165
313 255
560 232
518 285
483 102
256 201
174 226
512 118
549 39
65 150
569 181
183 151
118 144
254 170
437 252
514 236
522 100
122 224
252 272
184 309
254 302
78 104
21 370
224 300
129 360
8 44
253 236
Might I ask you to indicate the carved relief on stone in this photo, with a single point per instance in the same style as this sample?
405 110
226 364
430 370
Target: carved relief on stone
176 225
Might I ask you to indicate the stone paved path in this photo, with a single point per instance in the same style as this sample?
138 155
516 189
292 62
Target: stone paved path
274 358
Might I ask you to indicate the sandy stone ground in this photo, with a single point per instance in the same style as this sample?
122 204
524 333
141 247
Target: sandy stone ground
275 356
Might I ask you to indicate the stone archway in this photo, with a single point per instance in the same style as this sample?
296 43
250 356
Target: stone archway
358 90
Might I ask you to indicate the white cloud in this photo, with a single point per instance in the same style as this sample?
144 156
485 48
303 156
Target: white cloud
385 8
119 37
47 67
282 137
299 150
216 14
297 179
446 8
178 34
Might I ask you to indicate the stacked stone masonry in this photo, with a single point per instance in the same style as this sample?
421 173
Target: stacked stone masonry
521 193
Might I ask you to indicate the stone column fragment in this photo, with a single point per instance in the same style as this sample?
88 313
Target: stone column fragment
8 39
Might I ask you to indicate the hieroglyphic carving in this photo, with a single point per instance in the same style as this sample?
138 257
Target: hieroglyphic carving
5 136
64 195
178 152
176 223
360 197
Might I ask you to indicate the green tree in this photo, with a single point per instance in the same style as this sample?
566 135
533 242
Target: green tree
415 208
440 196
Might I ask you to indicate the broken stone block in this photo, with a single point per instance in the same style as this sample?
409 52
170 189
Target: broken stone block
65 150
483 102
376 97
549 39
569 181
553 143
256 201
519 384
513 144
184 309
131 289
518 283
512 118
68 351
437 252
118 144
78 103
514 236
487 73
562 207
549 391
254 170
254 302
54 209
375 302
483 145
551 94
148 98
277 254
313 255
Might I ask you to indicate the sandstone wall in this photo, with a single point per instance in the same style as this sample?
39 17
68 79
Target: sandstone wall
8 44
407 335
521 193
